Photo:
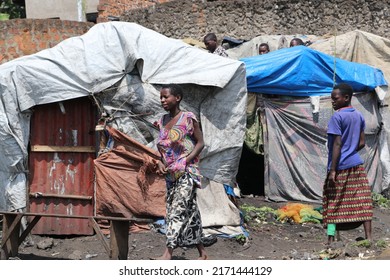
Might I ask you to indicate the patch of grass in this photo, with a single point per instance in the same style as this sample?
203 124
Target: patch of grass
240 239
380 201
381 243
257 215
363 243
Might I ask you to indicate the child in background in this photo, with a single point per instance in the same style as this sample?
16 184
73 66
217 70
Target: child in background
263 48
211 43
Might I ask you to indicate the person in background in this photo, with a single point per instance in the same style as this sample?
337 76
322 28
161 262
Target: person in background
180 143
296 42
347 193
211 43
263 48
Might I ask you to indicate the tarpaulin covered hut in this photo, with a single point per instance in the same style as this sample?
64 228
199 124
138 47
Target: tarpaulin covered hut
292 88
119 68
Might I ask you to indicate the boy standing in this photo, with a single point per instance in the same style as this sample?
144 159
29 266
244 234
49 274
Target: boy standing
347 193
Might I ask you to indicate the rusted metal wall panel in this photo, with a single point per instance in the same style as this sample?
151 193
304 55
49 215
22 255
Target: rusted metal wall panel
62 182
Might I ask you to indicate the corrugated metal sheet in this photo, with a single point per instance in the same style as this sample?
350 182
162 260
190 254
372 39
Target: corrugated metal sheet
61 165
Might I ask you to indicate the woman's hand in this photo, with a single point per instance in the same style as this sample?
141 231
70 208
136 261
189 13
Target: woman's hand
161 169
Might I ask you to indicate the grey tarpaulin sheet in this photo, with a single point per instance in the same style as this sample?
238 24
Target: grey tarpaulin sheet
122 65
296 156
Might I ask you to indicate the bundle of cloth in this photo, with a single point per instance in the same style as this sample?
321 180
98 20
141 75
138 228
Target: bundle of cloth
299 213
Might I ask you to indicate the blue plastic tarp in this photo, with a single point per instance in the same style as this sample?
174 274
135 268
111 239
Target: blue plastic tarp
301 71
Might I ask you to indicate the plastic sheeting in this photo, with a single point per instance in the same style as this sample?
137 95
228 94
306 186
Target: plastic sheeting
214 194
301 71
358 46
296 158
122 65
222 220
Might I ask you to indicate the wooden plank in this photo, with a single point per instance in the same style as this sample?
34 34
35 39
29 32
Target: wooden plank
100 235
10 225
110 218
63 149
119 240
119 232
10 239
70 196
30 226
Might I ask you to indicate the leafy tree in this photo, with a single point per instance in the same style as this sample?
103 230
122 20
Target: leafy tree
14 10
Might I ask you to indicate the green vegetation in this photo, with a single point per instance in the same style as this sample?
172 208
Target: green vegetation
381 243
240 239
363 243
380 201
13 10
254 215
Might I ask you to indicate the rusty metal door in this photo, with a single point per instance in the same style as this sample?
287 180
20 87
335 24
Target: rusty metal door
61 179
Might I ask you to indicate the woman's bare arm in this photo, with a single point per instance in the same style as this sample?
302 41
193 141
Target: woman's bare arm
199 142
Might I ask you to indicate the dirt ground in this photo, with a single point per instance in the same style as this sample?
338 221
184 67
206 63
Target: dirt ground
268 239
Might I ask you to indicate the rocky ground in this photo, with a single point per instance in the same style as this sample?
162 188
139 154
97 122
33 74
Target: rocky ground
268 239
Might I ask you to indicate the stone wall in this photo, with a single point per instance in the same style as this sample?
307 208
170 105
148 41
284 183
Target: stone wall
194 18
246 19
19 37
115 8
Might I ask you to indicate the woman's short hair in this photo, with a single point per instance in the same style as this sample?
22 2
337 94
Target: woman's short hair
174 89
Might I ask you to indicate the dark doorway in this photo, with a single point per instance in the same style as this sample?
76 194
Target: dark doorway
250 176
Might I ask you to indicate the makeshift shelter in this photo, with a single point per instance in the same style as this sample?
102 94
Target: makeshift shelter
292 88
367 48
120 67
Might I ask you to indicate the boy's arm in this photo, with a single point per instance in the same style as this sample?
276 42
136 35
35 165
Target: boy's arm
336 153
362 141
